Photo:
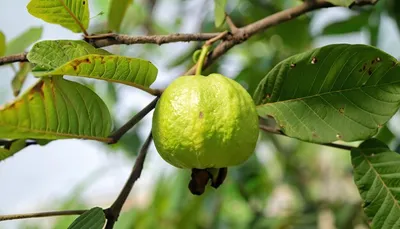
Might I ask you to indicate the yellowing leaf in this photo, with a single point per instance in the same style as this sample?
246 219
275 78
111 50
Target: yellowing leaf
59 12
56 108
117 12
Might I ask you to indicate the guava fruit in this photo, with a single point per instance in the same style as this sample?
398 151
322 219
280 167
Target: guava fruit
205 122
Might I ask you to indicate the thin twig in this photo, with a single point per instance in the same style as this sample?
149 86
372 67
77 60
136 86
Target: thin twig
271 130
113 212
21 57
74 17
41 214
230 23
132 122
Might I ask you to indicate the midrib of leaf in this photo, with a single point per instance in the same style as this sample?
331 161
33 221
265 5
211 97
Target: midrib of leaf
379 177
330 92
74 17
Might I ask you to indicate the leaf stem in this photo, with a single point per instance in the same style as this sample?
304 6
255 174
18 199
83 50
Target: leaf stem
41 214
113 212
271 130
74 17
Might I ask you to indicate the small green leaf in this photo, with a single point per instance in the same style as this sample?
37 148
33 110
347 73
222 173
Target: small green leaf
350 25
52 54
337 92
376 174
92 219
219 12
24 40
19 78
349 3
13 148
57 12
2 44
56 108
77 58
117 12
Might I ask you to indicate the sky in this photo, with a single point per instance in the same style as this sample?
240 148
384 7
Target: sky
38 178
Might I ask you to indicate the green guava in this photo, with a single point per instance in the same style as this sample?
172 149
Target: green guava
205 122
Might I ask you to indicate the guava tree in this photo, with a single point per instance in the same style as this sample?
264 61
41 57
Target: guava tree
328 96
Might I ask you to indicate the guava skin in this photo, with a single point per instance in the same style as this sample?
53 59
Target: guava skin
205 122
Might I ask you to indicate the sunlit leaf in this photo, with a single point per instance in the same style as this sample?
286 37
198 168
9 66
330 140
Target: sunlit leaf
70 58
24 40
51 54
377 176
19 78
92 219
56 108
337 92
11 149
117 12
58 12
2 44
219 12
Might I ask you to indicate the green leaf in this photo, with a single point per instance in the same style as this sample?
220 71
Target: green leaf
19 78
219 12
2 44
77 58
58 12
51 54
337 92
56 108
350 25
24 40
13 148
377 176
349 3
92 219
117 12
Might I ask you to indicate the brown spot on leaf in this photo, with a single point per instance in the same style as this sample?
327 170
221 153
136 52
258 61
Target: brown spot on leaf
268 96
378 59
341 110
369 71
201 115
38 88
314 60
380 125
84 2
338 136
373 61
364 67
314 134
292 65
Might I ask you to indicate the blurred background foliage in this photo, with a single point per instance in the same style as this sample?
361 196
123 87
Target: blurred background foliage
287 183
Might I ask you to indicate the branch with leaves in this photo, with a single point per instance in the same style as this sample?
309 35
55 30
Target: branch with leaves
326 111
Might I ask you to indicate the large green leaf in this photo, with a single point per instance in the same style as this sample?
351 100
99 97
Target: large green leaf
377 176
13 148
337 92
348 3
24 40
117 12
59 12
219 12
56 108
77 58
92 219
2 44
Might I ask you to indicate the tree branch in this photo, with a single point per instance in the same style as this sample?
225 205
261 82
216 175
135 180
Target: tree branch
41 214
21 57
271 130
132 122
113 212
